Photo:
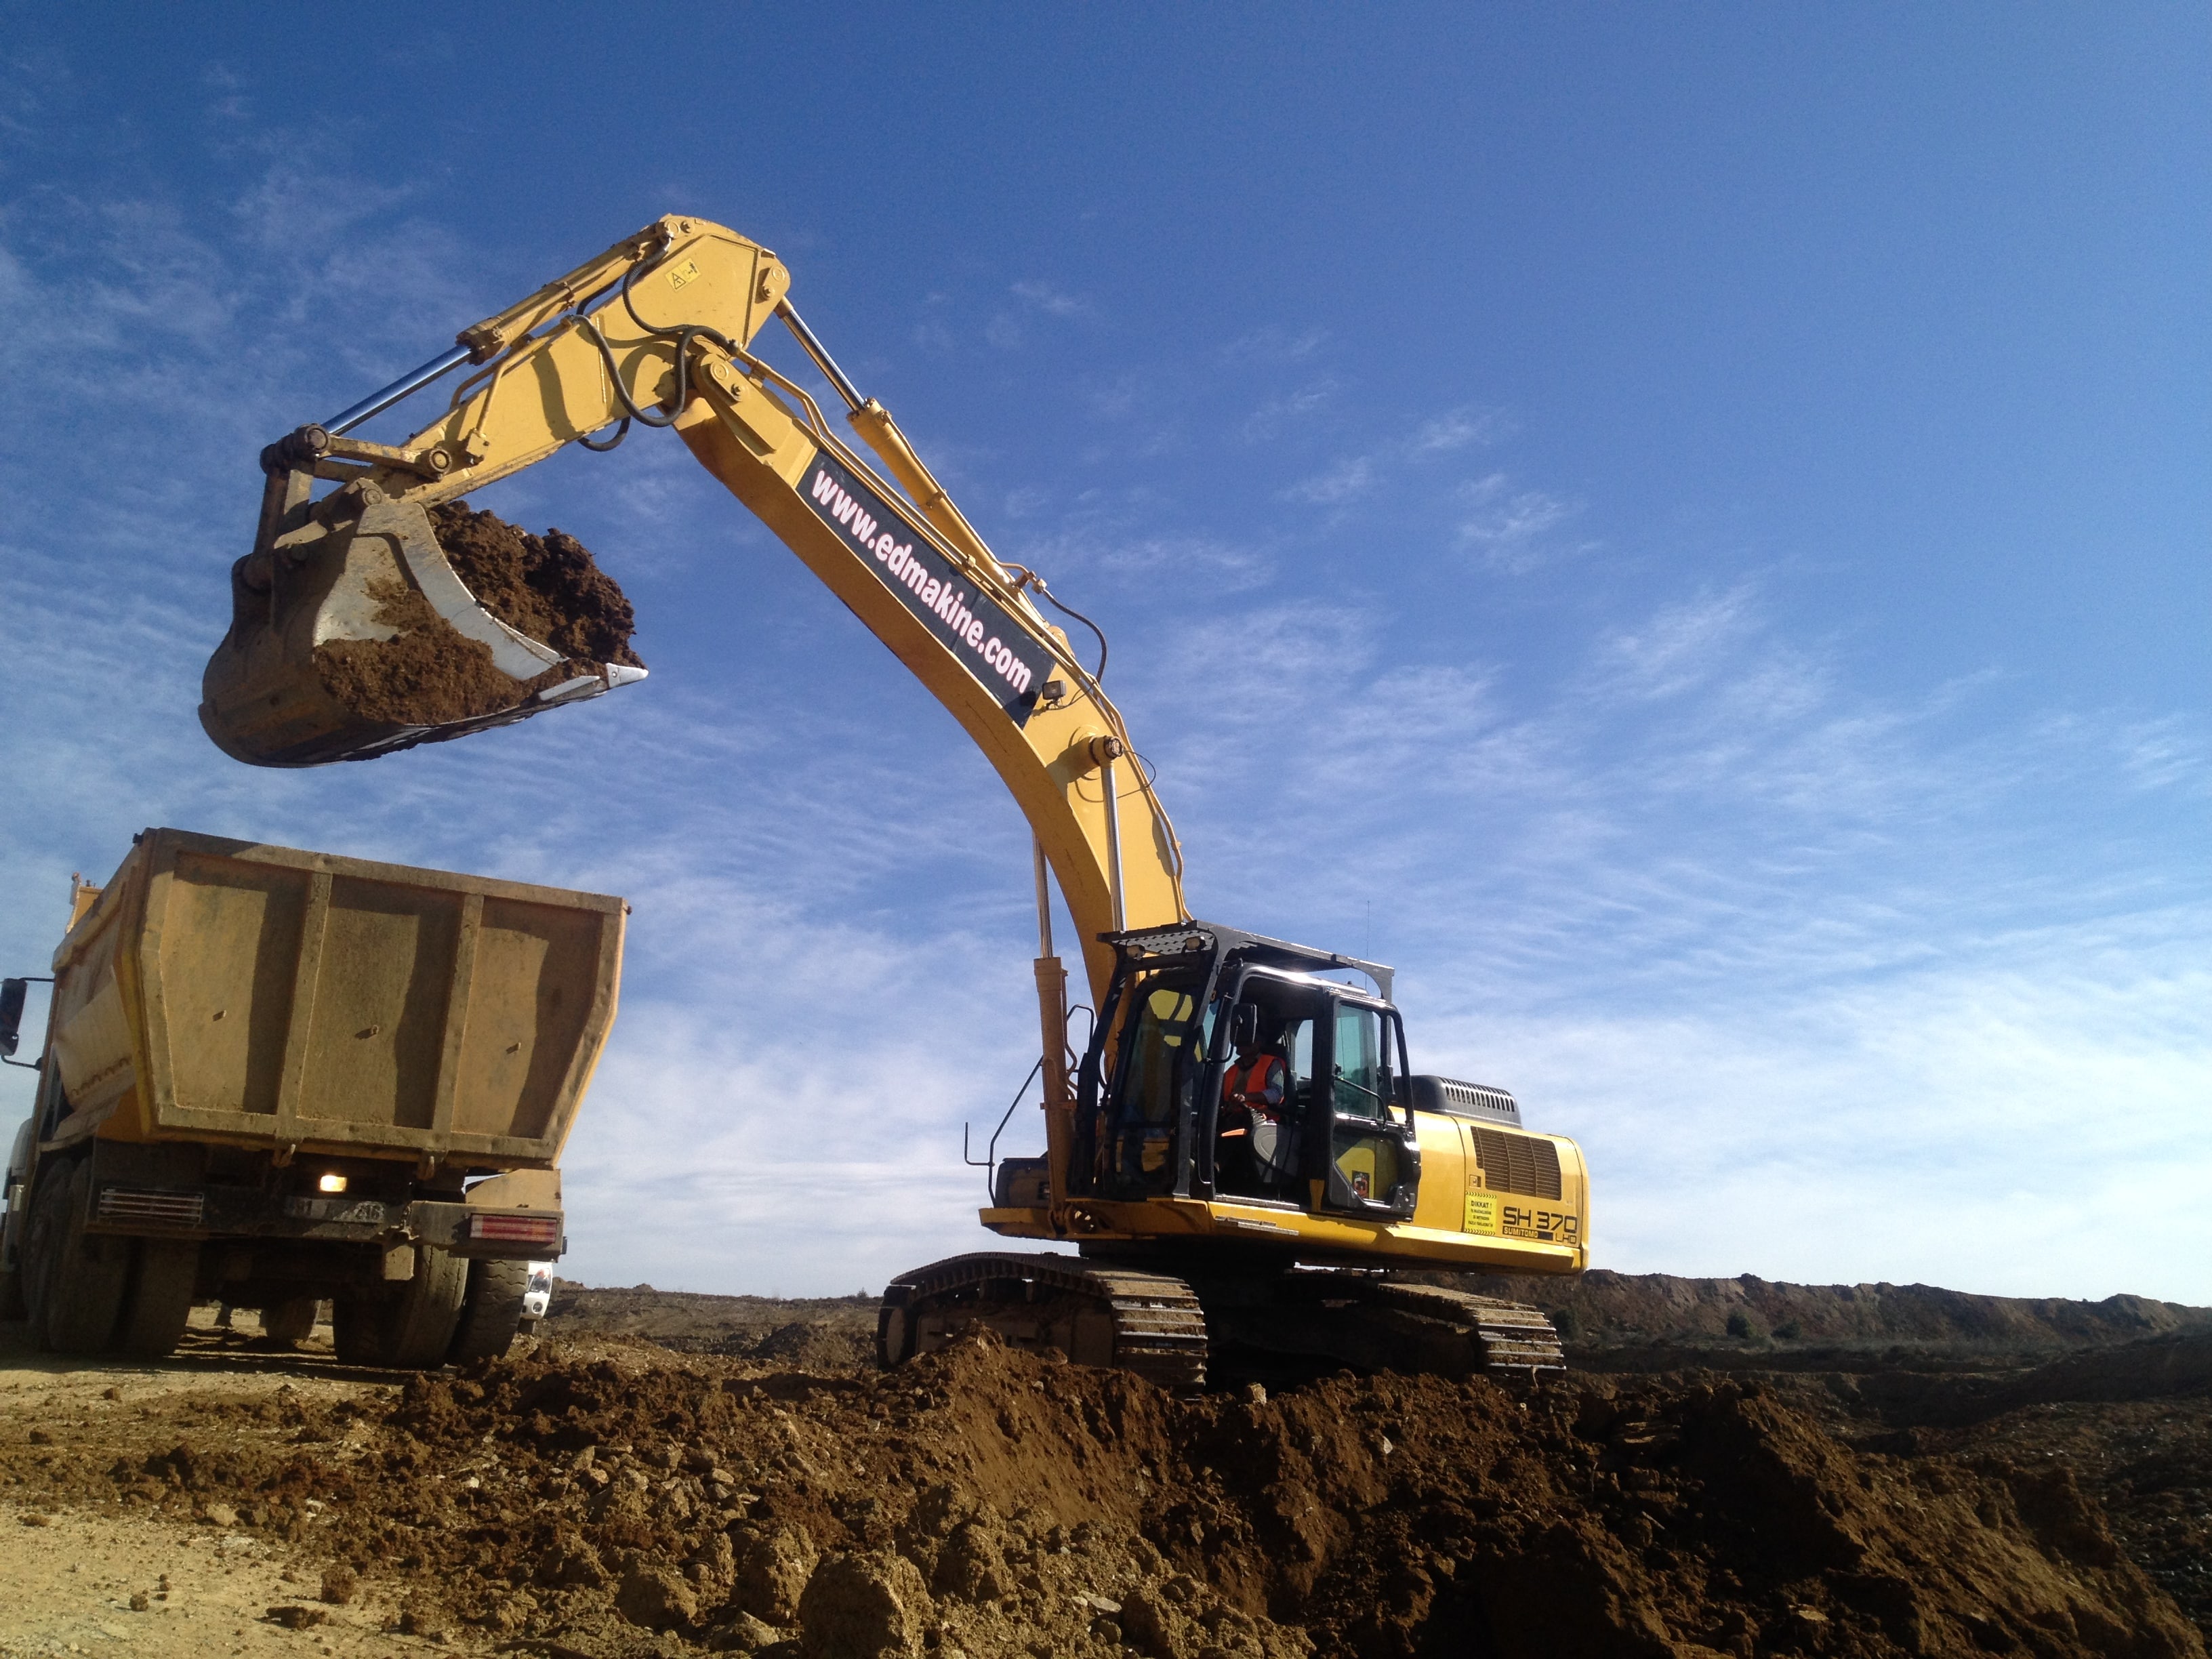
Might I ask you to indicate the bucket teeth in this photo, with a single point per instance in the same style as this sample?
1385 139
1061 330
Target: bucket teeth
355 637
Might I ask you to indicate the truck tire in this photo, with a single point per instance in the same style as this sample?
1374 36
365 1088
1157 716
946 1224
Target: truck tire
12 1304
161 1299
86 1273
355 1330
410 1330
289 1323
493 1313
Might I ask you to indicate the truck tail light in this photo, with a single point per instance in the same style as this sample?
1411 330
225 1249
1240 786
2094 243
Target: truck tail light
543 1228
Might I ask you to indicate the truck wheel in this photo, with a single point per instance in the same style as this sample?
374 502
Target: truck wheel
87 1272
357 1330
161 1299
412 1329
493 1313
289 1323
41 1224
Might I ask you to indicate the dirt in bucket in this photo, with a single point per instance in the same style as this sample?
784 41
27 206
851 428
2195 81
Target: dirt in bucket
548 587
427 675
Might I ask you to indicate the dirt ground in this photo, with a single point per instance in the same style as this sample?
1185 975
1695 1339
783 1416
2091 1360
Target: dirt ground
658 1473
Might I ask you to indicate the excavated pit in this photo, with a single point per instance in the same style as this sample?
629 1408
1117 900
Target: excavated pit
548 587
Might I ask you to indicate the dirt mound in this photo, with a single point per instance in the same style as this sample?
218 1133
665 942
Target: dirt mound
820 1331
548 587
618 1499
1711 1319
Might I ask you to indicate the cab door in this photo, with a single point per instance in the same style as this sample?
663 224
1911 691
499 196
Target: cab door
1373 1161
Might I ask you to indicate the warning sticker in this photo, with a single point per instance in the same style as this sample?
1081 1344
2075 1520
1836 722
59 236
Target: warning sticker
1481 1214
684 274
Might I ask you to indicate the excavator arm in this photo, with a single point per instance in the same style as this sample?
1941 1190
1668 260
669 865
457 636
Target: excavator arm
658 330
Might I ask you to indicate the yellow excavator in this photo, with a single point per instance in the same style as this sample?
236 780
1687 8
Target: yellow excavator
1242 1169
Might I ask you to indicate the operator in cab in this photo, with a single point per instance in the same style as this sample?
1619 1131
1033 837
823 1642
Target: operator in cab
1255 1140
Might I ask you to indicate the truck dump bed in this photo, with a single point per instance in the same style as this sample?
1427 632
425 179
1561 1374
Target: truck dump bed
259 995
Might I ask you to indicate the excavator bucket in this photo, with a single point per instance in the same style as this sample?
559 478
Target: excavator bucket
353 634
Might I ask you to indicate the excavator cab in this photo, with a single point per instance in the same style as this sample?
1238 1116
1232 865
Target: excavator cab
1152 1116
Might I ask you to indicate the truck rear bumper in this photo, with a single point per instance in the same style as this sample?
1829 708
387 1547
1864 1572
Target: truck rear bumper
213 1212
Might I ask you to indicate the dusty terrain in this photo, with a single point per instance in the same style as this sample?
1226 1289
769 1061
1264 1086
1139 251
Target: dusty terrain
1911 1473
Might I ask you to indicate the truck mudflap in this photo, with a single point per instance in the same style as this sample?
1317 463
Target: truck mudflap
1145 1322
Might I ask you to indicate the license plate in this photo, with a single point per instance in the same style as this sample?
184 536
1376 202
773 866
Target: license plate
359 1211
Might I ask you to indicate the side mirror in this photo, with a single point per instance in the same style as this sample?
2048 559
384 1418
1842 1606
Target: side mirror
1244 1023
11 1014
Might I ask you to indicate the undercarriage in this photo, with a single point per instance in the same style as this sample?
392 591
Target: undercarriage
1267 1323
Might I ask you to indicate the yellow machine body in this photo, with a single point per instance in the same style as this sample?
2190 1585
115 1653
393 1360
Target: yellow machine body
660 328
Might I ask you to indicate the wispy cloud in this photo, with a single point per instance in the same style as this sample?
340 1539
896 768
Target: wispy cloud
1345 479
1274 344
1509 529
1044 298
1277 415
1456 430
1008 329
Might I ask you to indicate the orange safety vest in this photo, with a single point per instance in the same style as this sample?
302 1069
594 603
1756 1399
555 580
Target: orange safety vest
1258 1084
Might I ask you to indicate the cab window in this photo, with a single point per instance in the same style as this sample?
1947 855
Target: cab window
1359 1078
1162 1051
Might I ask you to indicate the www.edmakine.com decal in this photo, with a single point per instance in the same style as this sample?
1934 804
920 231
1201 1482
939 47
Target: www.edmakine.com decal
971 625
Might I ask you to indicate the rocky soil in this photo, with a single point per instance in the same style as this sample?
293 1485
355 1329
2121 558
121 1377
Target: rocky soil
669 1474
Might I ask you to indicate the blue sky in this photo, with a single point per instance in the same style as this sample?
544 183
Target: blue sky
1683 529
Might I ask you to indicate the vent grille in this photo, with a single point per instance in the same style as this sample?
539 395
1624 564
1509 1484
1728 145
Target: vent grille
1517 1164
144 1204
1475 1100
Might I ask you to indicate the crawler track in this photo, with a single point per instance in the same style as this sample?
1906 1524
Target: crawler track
1515 1339
1148 1323
1170 1331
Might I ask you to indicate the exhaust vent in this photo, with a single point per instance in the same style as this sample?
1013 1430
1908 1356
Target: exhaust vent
1517 1164
1474 1100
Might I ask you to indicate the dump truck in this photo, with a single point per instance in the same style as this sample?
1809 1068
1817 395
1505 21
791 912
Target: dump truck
272 1078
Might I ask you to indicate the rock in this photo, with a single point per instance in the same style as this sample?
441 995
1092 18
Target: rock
743 1634
717 1559
657 1598
299 1618
571 1564
972 1565
864 1607
772 1574
220 1514
340 1585
1149 1623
